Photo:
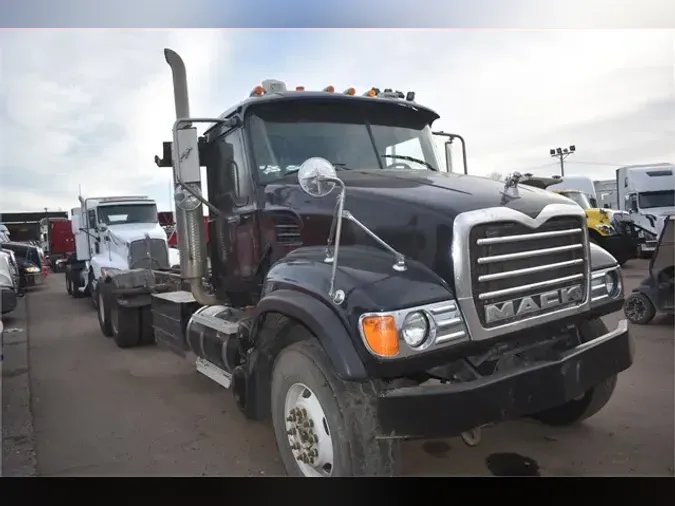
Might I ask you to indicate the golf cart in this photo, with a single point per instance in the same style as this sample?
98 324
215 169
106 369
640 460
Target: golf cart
655 293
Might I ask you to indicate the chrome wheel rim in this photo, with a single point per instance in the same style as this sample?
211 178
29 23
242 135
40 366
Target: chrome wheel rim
309 435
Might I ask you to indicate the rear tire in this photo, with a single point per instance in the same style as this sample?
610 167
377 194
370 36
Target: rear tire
69 285
75 286
638 309
593 400
341 439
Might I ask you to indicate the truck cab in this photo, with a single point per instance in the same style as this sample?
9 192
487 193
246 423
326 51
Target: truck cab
647 192
357 294
115 233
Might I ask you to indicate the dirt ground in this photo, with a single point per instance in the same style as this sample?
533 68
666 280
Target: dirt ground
98 410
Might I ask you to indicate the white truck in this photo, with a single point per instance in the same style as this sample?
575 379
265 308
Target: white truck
647 192
115 234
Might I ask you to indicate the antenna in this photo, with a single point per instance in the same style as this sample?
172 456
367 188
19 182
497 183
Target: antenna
79 188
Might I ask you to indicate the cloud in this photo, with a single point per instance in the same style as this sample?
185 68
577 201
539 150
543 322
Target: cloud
515 94
92 107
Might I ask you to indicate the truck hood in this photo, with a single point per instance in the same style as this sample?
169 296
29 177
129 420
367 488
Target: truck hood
599 216
129 232
413 211
445 194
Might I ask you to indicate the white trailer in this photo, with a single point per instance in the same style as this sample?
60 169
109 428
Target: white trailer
115 234
647 192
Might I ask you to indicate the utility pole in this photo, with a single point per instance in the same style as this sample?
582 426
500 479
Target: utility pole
562 153
48 231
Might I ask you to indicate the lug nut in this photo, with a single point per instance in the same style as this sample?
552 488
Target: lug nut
311 422
304 412
316 438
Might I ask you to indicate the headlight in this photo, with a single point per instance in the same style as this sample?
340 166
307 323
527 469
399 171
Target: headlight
32 269
415 329
607 229
611 283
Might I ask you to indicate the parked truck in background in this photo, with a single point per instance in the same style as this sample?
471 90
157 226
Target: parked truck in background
59 241
358 295
112 234
618 239
647 193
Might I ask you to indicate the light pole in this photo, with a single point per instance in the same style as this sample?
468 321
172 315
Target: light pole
562 153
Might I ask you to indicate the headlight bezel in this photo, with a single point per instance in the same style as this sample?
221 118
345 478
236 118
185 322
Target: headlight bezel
446 328
599 285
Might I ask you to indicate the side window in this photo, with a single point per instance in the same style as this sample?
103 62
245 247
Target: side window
224 178
92 218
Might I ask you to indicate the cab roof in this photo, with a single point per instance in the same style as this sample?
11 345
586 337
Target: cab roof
302 97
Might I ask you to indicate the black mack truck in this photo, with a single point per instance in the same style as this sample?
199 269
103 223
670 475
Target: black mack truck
357 295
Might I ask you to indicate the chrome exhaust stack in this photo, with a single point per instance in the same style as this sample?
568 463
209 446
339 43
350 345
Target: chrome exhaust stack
187 187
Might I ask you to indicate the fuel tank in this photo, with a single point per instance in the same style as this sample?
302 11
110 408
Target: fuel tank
211 334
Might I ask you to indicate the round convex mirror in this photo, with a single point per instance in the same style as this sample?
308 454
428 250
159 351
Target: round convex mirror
313 174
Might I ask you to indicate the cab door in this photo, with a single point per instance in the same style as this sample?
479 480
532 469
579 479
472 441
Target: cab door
234 236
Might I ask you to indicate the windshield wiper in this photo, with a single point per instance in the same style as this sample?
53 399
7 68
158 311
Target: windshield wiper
411 159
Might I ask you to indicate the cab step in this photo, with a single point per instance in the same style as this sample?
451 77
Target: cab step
214 372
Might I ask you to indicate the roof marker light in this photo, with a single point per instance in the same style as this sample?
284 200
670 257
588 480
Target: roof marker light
350 91
329 89
257 91
370 93
299 88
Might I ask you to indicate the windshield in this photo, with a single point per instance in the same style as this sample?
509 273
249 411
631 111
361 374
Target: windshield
580 198
665 198
350 136
127 213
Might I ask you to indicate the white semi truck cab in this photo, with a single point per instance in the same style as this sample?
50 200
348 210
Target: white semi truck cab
115 234
647 192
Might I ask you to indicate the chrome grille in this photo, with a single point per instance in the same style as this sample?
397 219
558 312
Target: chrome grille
158 257
511 261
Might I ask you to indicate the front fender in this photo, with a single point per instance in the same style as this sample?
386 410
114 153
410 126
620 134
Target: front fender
600 258
112 261
369 283
322 321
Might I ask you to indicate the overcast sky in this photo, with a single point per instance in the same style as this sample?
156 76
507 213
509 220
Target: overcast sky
92 107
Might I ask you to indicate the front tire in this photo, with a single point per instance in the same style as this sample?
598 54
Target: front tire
638 309
126 326
590 402
324 426
93 292
103 309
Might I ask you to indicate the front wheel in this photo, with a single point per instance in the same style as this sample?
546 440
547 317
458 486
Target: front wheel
326 427
639 309
103 309
590 402
93 292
